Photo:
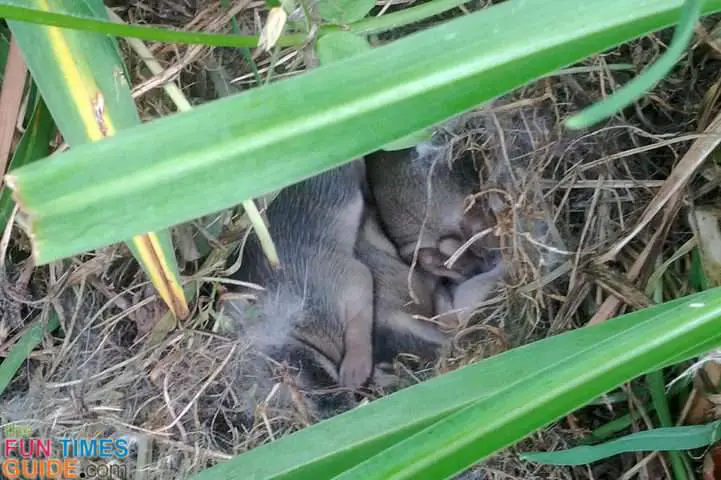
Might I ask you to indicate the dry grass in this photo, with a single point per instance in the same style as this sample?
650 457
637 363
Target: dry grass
190 395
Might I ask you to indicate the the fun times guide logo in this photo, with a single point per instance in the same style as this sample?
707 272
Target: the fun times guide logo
27 457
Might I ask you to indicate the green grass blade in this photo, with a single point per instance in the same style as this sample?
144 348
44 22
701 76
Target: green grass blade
657 439
34 145
657 388
21 350
245 51
403 17
81 78
616 425
317 121
656 384
647 80
20 10
505 398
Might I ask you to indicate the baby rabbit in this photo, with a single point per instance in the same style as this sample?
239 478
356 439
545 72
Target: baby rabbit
401 324
421 203
420 324
317 310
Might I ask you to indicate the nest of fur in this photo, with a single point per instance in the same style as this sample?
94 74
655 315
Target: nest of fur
191 395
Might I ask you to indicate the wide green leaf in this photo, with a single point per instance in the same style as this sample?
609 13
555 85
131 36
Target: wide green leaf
334 46
557 388
442 425
81 77
239 147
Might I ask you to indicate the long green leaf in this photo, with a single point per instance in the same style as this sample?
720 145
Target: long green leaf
557 388
648 79
81 78
657 439
334 46
98 194
474 411
21 10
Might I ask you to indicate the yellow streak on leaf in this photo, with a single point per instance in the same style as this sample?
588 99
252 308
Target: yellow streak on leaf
78 84
98 125
150 250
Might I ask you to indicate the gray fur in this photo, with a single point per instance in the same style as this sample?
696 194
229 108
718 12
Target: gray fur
319 302
422 204
399 321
